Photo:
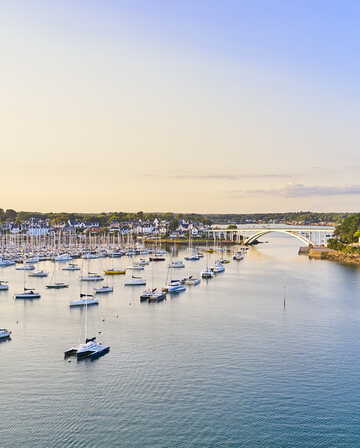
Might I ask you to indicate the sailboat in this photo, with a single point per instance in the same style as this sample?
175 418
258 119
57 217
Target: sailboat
91 348
29 293
85 300
54 284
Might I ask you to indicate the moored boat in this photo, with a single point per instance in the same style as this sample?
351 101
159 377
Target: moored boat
57 285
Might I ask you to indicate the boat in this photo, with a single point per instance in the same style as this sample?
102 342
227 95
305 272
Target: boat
224 261
28 294
113 271
4 334
57 285
91 349
90 255
63 257
32 260
143 262
190 280
104 289
157 258
71 267
207 273
4 285
238 256
91 277
192 258
176 264
135 281
39 274
218 268
136 267
175 286
4 263
85 300
157 296
117 254
25 267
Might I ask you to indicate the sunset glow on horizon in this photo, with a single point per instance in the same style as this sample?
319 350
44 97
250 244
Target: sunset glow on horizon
214 107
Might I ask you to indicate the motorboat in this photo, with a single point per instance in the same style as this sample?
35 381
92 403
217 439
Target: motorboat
143 262
135 281
63 257
136 267
207 273
58 285
218 268
190 280
176 264
104 289
238 256
175 286
39 274
91 277
224 261
71 267
85 300
28 294
113 271
4 285
4 334
25 267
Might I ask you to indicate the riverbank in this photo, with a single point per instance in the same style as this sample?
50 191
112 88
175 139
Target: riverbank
324 253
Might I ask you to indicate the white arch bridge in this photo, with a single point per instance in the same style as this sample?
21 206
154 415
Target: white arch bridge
314 236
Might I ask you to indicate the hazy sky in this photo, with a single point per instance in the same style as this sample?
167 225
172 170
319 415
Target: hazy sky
181 105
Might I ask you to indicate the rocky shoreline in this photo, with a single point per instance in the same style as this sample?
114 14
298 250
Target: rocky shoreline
324 253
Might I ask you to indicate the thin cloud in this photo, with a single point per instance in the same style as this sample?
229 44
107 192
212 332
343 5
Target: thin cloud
300 190
223 176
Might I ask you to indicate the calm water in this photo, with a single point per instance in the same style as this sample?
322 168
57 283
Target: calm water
221 365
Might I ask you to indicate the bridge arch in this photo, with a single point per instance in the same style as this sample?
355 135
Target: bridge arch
296 235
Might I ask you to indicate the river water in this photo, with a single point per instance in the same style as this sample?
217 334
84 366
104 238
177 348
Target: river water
221 365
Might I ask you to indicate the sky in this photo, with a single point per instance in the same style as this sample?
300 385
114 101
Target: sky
210 107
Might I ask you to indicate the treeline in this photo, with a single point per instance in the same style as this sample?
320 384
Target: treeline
104 219
346 233
304 217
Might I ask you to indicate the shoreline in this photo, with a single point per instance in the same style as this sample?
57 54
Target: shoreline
332 255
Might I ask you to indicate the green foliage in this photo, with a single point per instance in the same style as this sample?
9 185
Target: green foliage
347 230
